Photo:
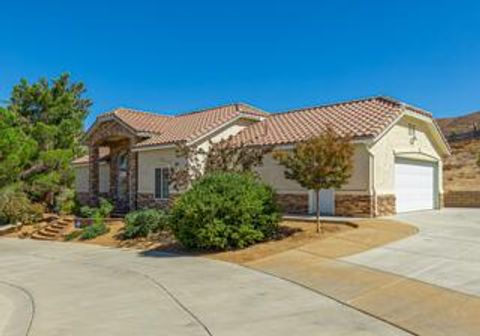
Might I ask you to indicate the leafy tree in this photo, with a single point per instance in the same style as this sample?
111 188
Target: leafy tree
221 156
39 136
321 162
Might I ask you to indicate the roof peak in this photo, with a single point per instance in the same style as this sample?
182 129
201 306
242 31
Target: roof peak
237 106
344 102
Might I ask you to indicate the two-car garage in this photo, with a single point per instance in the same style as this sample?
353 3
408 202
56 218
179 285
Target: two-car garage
415 185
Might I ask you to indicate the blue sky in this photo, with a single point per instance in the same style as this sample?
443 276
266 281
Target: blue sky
175 56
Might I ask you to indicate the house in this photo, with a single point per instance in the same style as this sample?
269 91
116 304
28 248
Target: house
397 160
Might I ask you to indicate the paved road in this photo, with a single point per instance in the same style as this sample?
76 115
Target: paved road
73 289
446 252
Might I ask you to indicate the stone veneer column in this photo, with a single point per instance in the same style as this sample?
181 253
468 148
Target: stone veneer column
113 175
132 178
93 166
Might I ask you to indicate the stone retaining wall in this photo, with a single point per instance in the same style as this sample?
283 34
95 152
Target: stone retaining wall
462 199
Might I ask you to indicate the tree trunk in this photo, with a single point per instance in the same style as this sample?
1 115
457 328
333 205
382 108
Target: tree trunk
318 210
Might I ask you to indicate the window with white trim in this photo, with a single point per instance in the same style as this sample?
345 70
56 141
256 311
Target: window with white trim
161 183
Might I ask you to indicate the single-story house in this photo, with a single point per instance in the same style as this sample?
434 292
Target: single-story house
397 159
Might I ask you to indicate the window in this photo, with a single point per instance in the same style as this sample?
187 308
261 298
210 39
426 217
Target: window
161 183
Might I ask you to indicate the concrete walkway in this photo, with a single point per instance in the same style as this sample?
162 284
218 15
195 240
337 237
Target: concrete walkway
72 289
422 308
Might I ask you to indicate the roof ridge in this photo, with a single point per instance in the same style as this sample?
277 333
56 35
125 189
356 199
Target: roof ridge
344 102
200 110
140 111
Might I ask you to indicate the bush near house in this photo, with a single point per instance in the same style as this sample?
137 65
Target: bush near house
98 228
225 211
16 207
104 210
142 223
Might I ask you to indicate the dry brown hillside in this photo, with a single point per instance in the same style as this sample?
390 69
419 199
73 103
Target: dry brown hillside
461 172
462 124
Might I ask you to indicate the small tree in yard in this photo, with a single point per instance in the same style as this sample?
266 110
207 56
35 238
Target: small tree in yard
222 156
321 162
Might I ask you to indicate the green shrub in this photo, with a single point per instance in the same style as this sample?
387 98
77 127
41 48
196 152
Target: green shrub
224 211
86 211
16 207
97 228
73 235
65 202
142 223
105 208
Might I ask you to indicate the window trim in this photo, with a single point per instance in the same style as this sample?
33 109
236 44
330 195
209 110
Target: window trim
162 197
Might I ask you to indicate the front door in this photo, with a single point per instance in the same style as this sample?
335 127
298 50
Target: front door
122 181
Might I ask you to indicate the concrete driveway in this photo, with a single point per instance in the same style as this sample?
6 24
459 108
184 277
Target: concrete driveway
72 289
445 252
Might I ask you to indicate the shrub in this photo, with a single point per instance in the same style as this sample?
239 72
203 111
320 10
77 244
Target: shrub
98 228
142 223
16 207
73 235
224 211
65 202
103 211
105 208
86 211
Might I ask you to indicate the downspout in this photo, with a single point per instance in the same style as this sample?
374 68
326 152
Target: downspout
371 179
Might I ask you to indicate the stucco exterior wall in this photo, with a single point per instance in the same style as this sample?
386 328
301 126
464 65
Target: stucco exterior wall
273 173
82 176
149 160
397 143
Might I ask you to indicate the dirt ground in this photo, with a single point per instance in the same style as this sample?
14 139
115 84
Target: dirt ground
296 234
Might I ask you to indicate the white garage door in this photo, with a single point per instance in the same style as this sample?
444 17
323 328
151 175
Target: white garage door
414 185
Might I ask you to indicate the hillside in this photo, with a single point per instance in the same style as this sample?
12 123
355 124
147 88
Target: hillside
461 172
462 124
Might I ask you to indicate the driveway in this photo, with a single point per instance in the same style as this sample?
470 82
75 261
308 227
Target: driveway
72 289
445 252
427 283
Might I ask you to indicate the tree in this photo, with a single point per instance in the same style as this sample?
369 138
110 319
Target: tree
321 162
40 132
221 156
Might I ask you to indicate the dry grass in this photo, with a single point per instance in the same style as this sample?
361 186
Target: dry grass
460 171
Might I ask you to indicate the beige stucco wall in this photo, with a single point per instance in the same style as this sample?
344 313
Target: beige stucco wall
149 160
82 176
398 143
273 173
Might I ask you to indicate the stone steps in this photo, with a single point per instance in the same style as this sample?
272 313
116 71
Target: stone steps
53 230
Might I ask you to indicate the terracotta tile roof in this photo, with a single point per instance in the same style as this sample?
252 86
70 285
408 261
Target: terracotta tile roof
364 118
191 126
142 121
104 153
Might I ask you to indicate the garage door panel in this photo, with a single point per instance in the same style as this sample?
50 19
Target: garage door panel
414 185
